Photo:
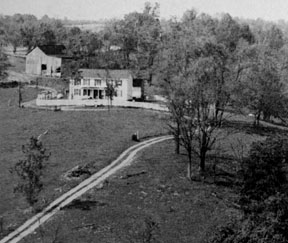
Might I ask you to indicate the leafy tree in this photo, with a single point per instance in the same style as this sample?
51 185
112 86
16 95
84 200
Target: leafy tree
139 37
263 171
260 88
46 35
274 38
3 64
28 31
13 35
263 198
197 72
29 170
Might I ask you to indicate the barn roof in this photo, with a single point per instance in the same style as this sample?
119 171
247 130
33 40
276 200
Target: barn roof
102 73
52 50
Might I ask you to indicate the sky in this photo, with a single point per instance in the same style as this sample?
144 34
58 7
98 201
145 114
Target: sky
106 9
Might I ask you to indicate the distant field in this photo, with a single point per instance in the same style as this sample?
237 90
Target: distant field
94 27
20 51
74 138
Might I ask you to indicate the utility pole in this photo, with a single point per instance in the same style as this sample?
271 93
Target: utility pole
19 94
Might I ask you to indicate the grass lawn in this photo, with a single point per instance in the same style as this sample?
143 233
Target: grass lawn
74 138
149 201
17 64
152 201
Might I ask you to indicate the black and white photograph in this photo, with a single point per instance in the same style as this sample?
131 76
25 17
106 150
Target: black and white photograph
137 121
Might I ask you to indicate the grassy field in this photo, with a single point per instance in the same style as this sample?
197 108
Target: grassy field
149 201
152 201
74 138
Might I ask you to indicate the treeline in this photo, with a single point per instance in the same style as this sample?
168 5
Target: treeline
235 50
133 42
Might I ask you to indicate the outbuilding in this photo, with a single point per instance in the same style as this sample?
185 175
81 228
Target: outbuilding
45 60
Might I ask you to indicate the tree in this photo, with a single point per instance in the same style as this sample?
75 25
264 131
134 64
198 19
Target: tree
3 64
28 31
29 170
139 37
260 89
111 91
198 70
263 197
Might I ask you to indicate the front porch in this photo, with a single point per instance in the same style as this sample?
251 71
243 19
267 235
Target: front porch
93 93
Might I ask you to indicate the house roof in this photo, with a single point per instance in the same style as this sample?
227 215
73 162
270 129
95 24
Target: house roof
103 73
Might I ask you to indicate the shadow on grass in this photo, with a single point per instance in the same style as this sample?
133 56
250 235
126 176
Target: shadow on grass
84 204
249 128
221 171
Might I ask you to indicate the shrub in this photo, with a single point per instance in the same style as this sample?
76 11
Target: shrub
29 170
263 198
263 171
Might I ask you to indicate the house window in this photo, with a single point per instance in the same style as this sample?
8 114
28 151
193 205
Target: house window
43 67
77 82
97 82
119 82
84 91
86 82
77 92
119 93
137 82
109 81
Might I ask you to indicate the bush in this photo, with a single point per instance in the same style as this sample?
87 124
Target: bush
263 198
263 171
7 85
29 170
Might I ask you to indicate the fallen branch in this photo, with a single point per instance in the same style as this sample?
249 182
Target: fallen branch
135 174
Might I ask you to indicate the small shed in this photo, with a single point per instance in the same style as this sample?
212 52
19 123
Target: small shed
45 60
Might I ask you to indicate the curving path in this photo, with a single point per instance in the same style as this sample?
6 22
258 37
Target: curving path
123 160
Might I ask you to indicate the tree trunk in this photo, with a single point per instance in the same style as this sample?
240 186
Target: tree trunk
219 121
203 151
202 159
20 95
189 165
177 139
266 116
257 119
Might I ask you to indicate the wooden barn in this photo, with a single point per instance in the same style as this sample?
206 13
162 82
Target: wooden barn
45 60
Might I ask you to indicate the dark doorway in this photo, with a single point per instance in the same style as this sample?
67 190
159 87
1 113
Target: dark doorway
95 96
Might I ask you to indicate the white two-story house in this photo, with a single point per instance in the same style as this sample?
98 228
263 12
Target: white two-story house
92 85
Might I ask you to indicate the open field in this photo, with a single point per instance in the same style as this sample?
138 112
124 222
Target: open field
93 27
150 201
74 138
